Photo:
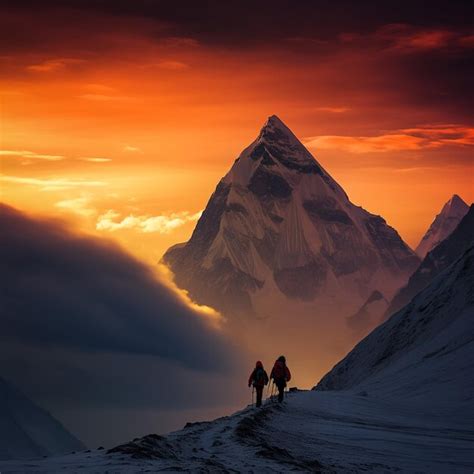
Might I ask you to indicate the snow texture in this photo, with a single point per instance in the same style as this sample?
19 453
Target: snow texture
436 261
445 222
278 220
422 354
327 432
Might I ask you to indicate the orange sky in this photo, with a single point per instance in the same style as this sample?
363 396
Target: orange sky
127 133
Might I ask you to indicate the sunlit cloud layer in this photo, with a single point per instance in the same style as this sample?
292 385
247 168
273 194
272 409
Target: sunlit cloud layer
31 155
163 224
104 97
81 206
96 159
53 65
402 140
52 184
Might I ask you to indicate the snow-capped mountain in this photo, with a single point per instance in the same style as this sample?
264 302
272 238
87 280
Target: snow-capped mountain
445 222
28 431
278 224
425 352
436 261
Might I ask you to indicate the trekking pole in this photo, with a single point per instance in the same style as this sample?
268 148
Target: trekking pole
253 388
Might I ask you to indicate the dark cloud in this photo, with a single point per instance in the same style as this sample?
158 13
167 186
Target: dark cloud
236 23
85 326
63 290
407 53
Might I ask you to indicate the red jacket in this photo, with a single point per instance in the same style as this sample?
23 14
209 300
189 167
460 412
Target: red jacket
280 372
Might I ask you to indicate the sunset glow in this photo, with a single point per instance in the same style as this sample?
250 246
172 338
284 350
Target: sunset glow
167 237
136 118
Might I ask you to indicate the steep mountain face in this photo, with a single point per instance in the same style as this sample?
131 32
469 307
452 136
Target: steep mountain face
436 261
27 431
277 223
445 222
425 351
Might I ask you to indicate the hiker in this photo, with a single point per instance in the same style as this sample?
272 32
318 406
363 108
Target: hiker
258 378
280 375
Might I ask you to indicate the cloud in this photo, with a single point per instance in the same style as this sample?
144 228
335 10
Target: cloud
179 42
334 110
47 66
53 65
31 155
66 290
426 137
382 143
173 65
95 159
132 149
52 184
80 206
411 39
104 97
86 328
163 224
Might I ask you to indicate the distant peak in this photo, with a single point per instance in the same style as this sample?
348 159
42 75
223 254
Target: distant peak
457 199
456 203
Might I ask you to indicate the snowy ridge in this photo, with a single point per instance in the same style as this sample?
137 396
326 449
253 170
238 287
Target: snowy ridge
277 219
424 353
28 431
443 225
436 261
319 432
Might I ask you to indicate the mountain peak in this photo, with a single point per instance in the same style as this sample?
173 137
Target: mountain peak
455 205
445 222
274 121
274 130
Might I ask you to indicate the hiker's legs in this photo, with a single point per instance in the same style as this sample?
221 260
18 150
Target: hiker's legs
259 391
281 391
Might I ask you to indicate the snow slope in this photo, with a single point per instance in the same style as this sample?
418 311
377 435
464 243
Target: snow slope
401 401
436 261
327 432
28 431
424 354
445 222
278 225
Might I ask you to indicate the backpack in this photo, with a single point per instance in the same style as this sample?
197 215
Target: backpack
259 376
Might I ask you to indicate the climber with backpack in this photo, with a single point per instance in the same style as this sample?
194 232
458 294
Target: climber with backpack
258 378
280 375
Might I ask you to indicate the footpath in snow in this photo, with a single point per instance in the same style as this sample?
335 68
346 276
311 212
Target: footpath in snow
311 432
